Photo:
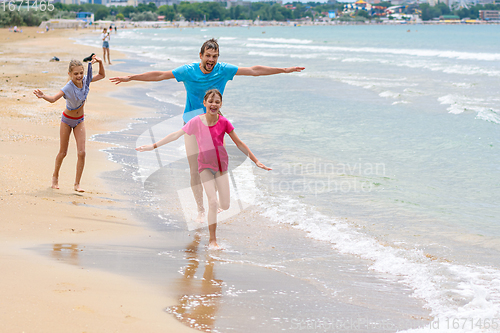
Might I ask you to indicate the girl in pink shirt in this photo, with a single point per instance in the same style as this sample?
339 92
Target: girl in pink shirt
209 130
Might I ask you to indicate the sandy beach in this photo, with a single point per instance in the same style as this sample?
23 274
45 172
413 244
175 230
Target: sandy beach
39 293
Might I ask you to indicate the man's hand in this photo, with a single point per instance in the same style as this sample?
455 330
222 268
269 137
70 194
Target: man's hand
265 70
119 79
294 69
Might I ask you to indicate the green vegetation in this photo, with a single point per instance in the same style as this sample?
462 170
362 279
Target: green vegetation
22 17
196 11
216 11
428 13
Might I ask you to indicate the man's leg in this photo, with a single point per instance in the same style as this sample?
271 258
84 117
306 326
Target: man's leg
196 187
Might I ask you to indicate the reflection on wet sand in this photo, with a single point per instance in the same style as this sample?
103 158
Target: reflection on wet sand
200 298
66 252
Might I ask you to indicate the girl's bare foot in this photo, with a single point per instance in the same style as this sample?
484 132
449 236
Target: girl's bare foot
214 246
78 188
201 217
55 183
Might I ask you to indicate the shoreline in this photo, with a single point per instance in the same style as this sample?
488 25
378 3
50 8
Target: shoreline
40 291
262 24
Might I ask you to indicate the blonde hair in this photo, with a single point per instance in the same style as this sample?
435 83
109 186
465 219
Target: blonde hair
74 63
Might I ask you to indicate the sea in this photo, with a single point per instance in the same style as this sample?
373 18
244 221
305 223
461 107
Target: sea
381 213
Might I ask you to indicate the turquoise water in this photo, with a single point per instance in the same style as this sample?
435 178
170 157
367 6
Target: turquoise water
386 147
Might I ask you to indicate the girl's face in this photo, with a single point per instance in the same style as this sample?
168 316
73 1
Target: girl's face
76 74
213 104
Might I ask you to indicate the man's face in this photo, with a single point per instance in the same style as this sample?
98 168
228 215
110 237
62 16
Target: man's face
209 60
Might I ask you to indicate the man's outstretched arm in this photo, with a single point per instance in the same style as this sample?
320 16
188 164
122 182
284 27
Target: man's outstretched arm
264 70
148 76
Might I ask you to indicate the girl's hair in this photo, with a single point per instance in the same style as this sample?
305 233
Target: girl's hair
74 63
212 92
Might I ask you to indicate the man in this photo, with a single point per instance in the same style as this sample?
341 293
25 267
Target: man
199 78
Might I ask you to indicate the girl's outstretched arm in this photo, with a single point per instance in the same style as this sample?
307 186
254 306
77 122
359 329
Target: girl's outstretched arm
102 73
169 138
244 148
38 93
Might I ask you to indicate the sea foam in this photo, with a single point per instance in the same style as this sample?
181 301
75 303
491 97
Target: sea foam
449 290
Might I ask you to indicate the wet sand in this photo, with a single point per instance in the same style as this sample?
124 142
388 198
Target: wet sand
40 294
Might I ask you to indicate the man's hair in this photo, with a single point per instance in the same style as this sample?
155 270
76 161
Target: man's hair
210 44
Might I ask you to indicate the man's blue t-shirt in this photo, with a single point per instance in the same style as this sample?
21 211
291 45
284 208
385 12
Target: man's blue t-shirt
197 84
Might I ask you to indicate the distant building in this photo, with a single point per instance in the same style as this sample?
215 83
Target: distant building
353 8
398 2
62 24
158 3
402 11
80 2
449 18
378 11
119 3
87 17
69 2
489 15
395 10
234 3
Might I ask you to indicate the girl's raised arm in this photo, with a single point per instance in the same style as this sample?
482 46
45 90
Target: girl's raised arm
102 73
169 138
244 148
38 93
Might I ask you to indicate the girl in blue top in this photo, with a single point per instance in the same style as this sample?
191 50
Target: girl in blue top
75 92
